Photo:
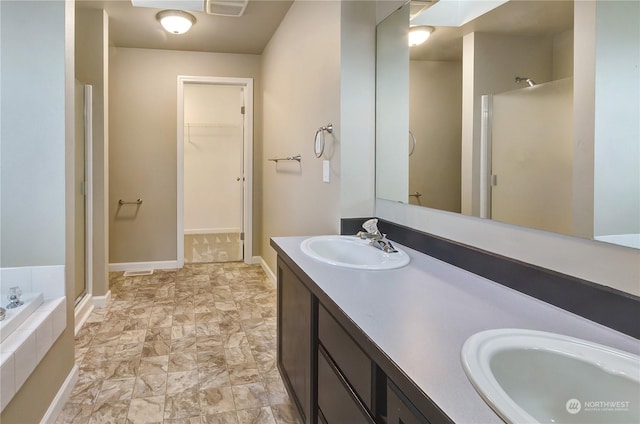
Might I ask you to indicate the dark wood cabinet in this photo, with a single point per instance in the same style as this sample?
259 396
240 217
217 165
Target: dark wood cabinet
295 340
400 410
347 356
332 371
336 399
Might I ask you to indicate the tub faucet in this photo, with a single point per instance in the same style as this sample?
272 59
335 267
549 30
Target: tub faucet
377 239
14 297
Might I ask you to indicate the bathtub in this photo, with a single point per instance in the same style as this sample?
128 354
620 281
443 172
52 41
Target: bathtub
15 317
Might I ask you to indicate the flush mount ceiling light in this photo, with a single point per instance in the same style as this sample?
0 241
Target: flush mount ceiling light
176 21
419 34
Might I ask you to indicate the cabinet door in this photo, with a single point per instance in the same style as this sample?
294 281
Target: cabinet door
400 410
352 362
336 401
295 304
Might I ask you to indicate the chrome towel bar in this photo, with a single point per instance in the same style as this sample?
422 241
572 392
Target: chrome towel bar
136 202
296 158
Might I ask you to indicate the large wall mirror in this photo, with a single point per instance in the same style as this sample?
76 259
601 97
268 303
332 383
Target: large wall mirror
528 114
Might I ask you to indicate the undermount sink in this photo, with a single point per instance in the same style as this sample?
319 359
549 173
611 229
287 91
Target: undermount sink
352 252
531 376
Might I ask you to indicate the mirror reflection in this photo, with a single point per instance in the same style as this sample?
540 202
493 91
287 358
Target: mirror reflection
527 114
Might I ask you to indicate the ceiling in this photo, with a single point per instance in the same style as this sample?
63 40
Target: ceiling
248 34
520 17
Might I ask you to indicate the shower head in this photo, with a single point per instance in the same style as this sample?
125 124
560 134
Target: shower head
527 80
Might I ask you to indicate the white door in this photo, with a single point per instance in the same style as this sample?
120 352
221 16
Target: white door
213 172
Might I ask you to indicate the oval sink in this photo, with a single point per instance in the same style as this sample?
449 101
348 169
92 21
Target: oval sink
352 252
531 376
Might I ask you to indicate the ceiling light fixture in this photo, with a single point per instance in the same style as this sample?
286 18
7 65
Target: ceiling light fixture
176 21
419 34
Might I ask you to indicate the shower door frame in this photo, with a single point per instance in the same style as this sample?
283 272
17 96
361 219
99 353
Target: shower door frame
247 210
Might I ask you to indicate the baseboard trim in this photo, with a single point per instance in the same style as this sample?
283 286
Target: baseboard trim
82 312
102 301
207 231
61 397
142 266
272 277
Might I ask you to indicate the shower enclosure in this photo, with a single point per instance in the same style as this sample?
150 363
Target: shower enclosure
527 156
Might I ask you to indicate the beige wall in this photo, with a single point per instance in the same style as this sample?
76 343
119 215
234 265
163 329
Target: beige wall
37 135
142 144
583 117
92 67
435 105
301 78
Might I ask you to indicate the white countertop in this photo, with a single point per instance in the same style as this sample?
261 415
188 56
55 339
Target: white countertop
421 315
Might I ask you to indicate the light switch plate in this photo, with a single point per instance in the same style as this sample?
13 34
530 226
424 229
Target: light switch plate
326 171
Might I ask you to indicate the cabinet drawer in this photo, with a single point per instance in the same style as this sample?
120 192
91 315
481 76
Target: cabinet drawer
335 402
399 408
345 353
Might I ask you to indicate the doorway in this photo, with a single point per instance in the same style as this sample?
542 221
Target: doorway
215 129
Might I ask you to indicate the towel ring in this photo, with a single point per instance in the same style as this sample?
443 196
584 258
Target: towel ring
318 140
413 141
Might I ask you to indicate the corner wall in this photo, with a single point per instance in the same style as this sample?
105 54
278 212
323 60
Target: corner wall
301 79
92 67
36 55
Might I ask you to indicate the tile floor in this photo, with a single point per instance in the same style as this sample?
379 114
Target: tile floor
195 345
207 248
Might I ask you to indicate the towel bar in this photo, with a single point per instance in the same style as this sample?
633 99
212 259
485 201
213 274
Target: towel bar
136 202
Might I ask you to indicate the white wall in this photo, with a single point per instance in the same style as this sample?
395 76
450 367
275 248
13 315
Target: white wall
617 124
357 108
33 134
301 79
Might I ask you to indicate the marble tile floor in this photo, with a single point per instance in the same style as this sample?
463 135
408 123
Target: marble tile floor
195 345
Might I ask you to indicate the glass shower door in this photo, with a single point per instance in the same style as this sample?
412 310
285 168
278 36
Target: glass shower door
532 156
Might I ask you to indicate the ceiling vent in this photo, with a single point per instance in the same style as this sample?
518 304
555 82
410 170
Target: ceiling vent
192 5
226 8
419 6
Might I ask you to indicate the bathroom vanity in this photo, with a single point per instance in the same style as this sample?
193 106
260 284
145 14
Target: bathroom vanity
359 346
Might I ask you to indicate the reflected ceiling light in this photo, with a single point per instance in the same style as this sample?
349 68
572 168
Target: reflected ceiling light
419 34
176 21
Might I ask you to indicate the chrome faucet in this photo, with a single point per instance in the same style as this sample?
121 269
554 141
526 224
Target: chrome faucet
14 297
377 239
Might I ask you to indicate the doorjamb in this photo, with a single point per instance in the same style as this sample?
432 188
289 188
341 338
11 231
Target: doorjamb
247 218
88 187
